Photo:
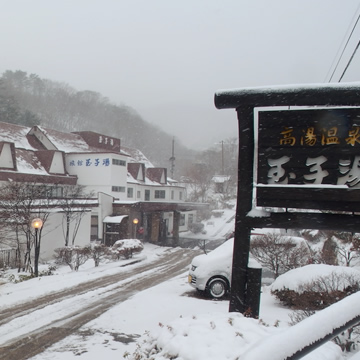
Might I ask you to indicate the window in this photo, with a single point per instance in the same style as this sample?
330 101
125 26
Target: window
172 194
159 194
190 219
182 220
130 192
147 195
138 194
118 162
118 188
54 191
180 195
94 228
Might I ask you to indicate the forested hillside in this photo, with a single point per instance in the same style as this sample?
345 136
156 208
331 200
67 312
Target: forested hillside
28 100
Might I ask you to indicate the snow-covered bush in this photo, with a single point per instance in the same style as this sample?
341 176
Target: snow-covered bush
99 252
213 336
126 248
176 340
196 227
73 256
315 286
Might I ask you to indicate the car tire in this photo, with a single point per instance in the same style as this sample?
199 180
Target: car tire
217 288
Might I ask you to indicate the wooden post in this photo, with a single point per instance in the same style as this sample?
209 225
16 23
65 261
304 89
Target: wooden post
244 205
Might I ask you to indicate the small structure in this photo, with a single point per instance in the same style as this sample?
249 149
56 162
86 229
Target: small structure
220 183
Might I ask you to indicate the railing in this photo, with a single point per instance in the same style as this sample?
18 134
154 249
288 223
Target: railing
6 257
297 341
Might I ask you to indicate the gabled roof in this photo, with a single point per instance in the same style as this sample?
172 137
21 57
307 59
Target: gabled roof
27 162
157 175
67 142
15 134
137 171
47 159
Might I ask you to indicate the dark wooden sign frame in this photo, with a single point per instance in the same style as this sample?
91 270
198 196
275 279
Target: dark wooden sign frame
303 198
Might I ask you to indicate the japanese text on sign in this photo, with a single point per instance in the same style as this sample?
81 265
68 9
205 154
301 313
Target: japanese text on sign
309 147
91 162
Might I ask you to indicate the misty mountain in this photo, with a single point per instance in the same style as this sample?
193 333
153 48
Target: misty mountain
28 100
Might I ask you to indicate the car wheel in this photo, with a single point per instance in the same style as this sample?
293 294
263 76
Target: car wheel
217 288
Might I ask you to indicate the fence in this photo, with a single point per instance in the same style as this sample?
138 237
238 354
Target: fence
7 258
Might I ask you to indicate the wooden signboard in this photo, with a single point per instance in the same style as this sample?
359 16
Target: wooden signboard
299 167
308 159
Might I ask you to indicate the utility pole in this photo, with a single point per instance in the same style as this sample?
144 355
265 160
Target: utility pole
172 159
222 157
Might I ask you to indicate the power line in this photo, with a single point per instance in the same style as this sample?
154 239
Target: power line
352 56
346 44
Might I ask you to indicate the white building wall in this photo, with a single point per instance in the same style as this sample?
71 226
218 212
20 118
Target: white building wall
172 194
57 165
52 236
97 172
105 209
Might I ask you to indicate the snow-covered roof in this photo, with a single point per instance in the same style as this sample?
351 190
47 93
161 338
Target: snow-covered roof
15 134
220 178
114 219
67 142
34 147
137 156
28 162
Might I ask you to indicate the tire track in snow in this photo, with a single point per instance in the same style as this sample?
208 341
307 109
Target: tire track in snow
112 289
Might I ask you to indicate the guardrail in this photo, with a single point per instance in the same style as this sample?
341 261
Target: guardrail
299 340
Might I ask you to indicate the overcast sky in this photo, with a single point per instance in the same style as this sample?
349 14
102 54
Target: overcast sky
167 58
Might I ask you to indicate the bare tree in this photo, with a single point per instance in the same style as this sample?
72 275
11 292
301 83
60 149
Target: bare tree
349 249
20 203
198 177
279 253
73 204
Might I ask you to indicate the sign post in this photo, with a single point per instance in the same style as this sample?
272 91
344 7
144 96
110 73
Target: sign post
299 154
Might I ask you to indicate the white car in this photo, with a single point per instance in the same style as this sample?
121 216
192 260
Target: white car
212 272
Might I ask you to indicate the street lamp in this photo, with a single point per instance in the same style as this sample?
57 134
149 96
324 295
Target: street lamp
135 222
37 224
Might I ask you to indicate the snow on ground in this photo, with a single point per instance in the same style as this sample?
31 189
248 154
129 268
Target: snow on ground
171 314
215 227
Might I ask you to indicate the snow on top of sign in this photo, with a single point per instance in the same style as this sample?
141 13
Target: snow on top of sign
258 212
288 88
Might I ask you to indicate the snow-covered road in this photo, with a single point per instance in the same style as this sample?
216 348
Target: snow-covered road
32 325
